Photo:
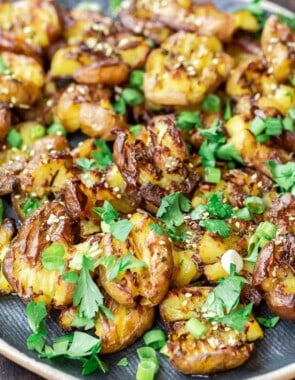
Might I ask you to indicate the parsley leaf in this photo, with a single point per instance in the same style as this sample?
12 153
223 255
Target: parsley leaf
115 266
283 174
36 314
217 208
52 257
236 319
268 322
156 228
123 362
102 158
172 208
86 164
107 212
87 294
187 120
226 295
71 277
216 226
121 229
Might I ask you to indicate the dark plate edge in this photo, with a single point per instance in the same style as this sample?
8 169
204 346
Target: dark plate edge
48 372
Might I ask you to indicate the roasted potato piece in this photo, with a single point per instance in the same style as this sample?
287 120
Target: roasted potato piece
185 69
278 45
202 19
185 268
148 284
46 172
7 231
81 107
133 50
22 265
281 213
22 82
220 349
5 122
246 21
156 162
34 23
49 143
274 275
128 325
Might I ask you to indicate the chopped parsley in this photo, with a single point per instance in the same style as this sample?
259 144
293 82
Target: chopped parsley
268 322
284 175
102 158
115 266
36 314
123 362
216 226
236 319
172 208
188 120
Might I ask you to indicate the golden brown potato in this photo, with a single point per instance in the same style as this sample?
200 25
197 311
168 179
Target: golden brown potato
34 24
46 172
7 230
129 324
49 143
220 349
151 17
185 267
133 50
5 122
274 276
156 162
21 83
82 107
22 265
185 69
277 43
148 284
246 21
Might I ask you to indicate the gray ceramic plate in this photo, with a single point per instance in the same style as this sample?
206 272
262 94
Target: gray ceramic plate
272 359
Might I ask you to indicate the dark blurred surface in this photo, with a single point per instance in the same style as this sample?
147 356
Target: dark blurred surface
11 371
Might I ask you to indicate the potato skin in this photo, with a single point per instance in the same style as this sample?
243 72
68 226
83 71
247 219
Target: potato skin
146 285
22 264
222 348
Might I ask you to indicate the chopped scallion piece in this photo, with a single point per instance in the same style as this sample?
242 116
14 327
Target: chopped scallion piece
132 96
227 113
120 107
57 129
255 205
243 213
149 354
273 126
262 138
187 120
164 350
14 138
291 113
257 126
155 338
146 370
136 79
288 124
196 328
212 175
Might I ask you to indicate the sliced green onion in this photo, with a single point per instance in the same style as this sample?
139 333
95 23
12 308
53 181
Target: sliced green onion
229 152
149 354
288 124
262 138
273 126
243 213
1 211
155 338
14 138
212 175
146 370
211 103
255 205
120 107
227 113
257 126
132 96
196 328
57 129
136 79
38 131
267 230
135 129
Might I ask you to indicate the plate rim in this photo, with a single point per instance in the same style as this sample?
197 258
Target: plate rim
48 372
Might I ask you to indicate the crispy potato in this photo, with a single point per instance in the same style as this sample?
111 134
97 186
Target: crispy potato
246 21
274 276
185 69
34 24
7 230
129 324
46 172
49 143
185 267
5 122
22 265
148 284
277 43
220 349
81 107
156 162
150 18
133 50
22 82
